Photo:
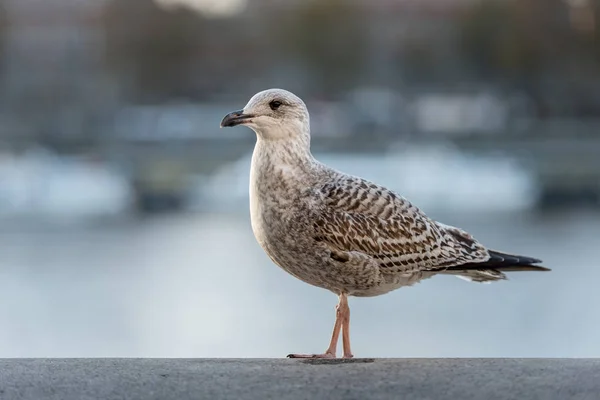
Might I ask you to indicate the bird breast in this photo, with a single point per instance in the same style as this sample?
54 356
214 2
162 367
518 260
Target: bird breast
278 199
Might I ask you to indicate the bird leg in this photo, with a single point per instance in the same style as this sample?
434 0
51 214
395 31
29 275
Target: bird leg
345 311
342 323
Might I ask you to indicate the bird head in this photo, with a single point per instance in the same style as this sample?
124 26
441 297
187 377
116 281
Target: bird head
274 114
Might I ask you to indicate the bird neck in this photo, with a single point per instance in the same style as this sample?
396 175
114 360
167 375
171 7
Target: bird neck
281 158
290 150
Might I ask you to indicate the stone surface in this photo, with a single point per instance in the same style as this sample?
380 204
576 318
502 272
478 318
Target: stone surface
181 379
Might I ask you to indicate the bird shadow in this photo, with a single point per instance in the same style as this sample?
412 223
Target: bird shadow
336 361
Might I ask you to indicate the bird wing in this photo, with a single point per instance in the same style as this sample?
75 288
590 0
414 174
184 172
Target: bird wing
360 216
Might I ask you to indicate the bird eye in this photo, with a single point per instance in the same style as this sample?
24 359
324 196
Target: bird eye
274 104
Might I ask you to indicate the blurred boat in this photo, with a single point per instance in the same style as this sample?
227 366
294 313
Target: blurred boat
39 183
434 177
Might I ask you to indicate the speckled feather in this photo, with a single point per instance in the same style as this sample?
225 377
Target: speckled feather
341 232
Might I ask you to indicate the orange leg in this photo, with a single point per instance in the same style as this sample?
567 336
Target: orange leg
345 326
342 323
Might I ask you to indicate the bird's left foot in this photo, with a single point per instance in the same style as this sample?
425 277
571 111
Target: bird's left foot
324 355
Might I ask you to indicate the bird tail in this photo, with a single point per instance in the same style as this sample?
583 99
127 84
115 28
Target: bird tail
494 268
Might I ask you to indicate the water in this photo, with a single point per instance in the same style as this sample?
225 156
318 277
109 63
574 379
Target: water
198 285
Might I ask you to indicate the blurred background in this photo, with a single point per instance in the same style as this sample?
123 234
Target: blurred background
124 224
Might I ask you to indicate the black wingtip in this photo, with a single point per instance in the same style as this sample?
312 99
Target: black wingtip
505 263
513 258
523 268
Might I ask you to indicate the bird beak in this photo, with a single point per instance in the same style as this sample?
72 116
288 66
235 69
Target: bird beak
235 118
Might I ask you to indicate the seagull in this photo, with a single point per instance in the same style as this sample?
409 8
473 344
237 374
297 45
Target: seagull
343 233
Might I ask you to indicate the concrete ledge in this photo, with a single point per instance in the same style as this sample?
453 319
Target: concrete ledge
181 379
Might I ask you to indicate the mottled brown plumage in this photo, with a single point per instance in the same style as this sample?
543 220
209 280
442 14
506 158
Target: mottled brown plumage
341 232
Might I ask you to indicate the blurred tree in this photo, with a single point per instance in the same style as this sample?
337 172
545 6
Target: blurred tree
152 47
523 36
538 45
493 41
177 52
328 38
3 24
